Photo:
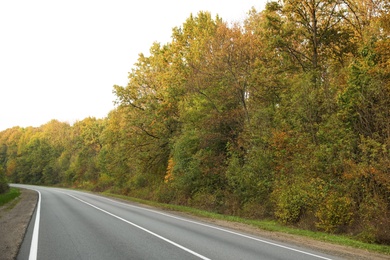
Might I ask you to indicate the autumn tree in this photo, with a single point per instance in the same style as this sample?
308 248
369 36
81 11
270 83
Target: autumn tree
148 110
9 141
218 60
364 107
83 170
116 159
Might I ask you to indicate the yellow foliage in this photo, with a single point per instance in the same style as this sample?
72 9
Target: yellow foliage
335 212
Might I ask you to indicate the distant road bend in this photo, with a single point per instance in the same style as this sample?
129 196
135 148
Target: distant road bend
73 225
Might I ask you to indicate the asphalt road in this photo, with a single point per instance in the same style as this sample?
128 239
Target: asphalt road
73 225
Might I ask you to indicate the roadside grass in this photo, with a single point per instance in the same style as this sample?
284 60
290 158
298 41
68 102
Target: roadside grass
268 225
9 196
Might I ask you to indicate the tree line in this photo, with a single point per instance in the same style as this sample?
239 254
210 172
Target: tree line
284 116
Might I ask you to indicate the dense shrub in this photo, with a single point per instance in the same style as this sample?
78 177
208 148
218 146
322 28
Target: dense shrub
3 182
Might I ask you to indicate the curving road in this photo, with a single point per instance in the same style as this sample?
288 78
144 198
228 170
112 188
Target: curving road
73 225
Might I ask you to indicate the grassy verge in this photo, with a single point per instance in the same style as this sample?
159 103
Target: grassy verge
9 196
268 225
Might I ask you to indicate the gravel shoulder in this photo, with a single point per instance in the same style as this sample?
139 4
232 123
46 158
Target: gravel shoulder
14 219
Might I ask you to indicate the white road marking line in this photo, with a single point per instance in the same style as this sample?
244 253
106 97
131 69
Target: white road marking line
217 228
34 241
144 229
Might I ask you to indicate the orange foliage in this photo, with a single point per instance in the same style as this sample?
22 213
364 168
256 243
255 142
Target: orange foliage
168 176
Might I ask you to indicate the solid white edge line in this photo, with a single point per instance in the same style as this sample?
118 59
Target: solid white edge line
217 228
144 229
34 241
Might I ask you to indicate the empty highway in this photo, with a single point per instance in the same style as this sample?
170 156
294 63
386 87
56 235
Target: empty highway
69 224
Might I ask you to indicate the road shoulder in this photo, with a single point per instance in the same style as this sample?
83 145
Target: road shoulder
14 221
341 251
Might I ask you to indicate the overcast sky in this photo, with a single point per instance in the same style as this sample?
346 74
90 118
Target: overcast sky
60 59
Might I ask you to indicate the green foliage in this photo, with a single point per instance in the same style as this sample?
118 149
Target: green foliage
3 182
105 182
334 213
36 163
292 200
251 182
374 220
365 103
9 195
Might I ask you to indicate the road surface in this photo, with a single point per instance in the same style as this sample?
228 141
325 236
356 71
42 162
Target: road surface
69 224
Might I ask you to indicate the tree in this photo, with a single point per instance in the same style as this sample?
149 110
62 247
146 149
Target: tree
9 141
36 162
214 105
83 168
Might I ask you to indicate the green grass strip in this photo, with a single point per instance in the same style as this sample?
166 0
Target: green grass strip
269 225
9 196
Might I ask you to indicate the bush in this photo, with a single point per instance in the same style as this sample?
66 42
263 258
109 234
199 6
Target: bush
3 182
291 202
255 210
296 199
374 220
165 194
3 187
334 213
104 183
208 201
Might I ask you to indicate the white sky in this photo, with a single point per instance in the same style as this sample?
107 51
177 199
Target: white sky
59 59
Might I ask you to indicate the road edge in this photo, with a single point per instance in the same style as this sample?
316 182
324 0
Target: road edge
14 223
